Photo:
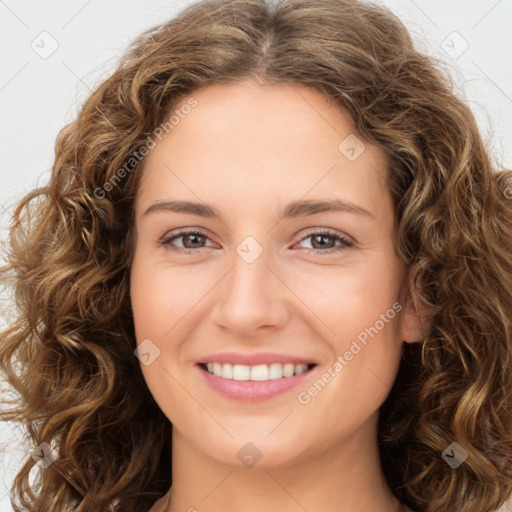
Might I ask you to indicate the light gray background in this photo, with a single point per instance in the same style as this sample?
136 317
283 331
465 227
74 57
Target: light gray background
39 95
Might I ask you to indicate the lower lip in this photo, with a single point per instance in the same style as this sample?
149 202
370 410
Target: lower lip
249 390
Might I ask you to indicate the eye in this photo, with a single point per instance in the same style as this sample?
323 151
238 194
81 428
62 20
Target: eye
191 239
323 241
195 240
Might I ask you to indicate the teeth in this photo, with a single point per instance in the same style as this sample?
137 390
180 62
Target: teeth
288 370
260 372
275 371
239 372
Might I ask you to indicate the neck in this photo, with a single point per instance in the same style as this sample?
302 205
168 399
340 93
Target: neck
346 477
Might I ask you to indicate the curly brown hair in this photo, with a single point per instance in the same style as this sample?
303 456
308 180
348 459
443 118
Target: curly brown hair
69 350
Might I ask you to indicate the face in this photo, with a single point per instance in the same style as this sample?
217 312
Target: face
254 280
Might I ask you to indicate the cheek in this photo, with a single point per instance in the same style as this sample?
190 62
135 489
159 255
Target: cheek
157 301
158 296
358 312
347 300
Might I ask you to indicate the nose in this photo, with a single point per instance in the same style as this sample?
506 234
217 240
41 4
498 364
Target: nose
252 299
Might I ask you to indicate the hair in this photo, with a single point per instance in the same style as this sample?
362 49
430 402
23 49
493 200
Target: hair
68 352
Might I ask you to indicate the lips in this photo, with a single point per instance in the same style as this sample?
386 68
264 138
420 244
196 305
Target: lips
254 377
254 359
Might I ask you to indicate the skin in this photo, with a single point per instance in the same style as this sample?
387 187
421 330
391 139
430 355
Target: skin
249 149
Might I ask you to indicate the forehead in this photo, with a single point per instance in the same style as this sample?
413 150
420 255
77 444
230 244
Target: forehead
262 141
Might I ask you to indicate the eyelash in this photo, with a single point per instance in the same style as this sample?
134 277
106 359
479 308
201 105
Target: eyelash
346 243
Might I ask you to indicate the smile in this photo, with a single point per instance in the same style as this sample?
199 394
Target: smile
254 383
260 372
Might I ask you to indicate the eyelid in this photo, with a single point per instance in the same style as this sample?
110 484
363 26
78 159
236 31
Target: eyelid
326 231
180 232
347 242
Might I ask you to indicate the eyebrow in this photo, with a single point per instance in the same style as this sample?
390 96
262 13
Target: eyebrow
292 210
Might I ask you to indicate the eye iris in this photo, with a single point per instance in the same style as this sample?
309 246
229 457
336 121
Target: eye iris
189 235
321 236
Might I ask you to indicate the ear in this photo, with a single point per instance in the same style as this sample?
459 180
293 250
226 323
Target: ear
415 325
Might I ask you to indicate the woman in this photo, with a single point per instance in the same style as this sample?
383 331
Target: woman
273 268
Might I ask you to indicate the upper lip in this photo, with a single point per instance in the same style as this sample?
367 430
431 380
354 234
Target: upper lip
253 359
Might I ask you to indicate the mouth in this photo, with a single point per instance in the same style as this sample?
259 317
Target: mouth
254 383
255 373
